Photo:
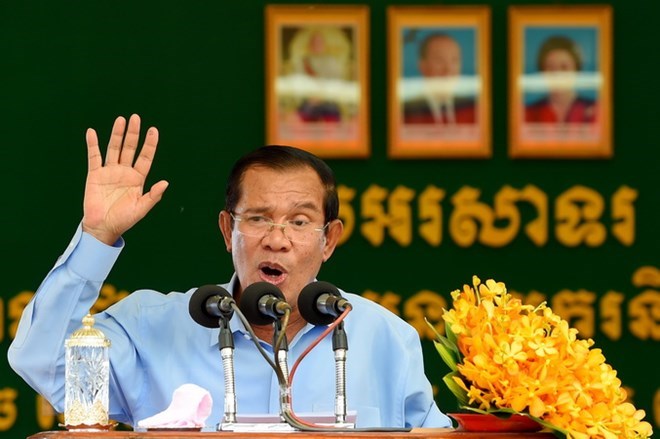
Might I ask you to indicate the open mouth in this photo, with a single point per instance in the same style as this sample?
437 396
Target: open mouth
272 273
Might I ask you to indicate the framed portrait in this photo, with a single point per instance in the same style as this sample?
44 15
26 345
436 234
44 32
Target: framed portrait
317 65
439 82
560 82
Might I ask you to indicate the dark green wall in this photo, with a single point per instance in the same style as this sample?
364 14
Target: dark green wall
195 69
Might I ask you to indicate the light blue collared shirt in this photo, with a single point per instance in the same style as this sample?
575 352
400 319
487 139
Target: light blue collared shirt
156 347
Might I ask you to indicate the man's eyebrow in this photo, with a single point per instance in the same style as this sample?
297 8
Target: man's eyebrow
308 205
256 210
304 205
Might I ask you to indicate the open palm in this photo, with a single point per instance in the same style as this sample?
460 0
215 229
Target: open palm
114 192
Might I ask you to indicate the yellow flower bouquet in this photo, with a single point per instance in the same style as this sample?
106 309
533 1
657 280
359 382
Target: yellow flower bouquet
510 358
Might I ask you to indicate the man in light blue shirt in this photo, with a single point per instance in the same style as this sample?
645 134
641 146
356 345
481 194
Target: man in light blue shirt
280 223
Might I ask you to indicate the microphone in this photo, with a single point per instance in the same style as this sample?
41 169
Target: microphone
263 303
209 304
212 306
320 303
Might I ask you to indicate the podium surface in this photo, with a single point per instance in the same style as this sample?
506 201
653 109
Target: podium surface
417 433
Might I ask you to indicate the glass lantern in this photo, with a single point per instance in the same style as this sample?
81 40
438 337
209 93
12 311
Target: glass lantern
87 378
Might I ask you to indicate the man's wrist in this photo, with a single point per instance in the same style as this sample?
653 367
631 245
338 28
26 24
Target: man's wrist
102 236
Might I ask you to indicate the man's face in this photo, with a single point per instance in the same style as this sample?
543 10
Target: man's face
280 196
442 58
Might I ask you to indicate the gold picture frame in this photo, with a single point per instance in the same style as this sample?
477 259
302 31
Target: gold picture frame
439 82
317 70
560 82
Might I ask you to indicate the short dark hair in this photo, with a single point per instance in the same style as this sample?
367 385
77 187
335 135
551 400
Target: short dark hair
282 158
559 42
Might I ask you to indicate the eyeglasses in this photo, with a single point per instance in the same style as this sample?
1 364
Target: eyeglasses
296 230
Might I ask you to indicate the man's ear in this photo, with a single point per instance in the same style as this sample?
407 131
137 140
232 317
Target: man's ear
332 235
224 222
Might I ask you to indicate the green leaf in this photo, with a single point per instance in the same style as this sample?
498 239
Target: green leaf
446 348
452 347
476 410
435 331
447 355
458 391
450 334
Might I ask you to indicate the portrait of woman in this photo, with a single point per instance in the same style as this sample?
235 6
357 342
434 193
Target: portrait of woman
560 62
560 81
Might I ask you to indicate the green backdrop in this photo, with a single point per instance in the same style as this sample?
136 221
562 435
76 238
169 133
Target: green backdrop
195 69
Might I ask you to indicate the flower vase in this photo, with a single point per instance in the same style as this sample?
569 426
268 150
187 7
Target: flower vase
477 422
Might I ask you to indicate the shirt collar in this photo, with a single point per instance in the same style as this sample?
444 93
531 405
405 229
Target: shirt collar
438 105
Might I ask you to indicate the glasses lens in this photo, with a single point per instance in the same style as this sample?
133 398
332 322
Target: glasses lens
295 231
300 232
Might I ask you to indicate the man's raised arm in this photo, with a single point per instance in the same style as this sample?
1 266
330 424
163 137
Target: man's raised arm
114 202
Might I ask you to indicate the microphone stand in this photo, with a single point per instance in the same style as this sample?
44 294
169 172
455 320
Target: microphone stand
281 360
340 346
226 341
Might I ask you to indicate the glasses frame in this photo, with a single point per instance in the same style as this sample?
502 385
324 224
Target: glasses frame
272 224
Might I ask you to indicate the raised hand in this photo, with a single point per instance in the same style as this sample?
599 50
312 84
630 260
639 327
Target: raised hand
114 199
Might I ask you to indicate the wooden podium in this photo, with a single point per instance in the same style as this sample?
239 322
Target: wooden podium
417 433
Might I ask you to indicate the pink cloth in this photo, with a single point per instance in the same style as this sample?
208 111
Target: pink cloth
190 407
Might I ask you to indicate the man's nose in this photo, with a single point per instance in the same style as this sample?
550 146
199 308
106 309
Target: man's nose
276 239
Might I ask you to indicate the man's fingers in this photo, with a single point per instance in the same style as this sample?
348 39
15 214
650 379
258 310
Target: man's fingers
130 141
146 157
116 140
149 200
94 160
157 190
122 146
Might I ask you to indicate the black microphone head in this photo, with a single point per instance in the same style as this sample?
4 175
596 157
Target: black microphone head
197 305
249 302
307 302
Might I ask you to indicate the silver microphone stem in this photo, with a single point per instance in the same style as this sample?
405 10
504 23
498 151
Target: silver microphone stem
282 360
285 390
340 386
226 342
227 355
340 347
